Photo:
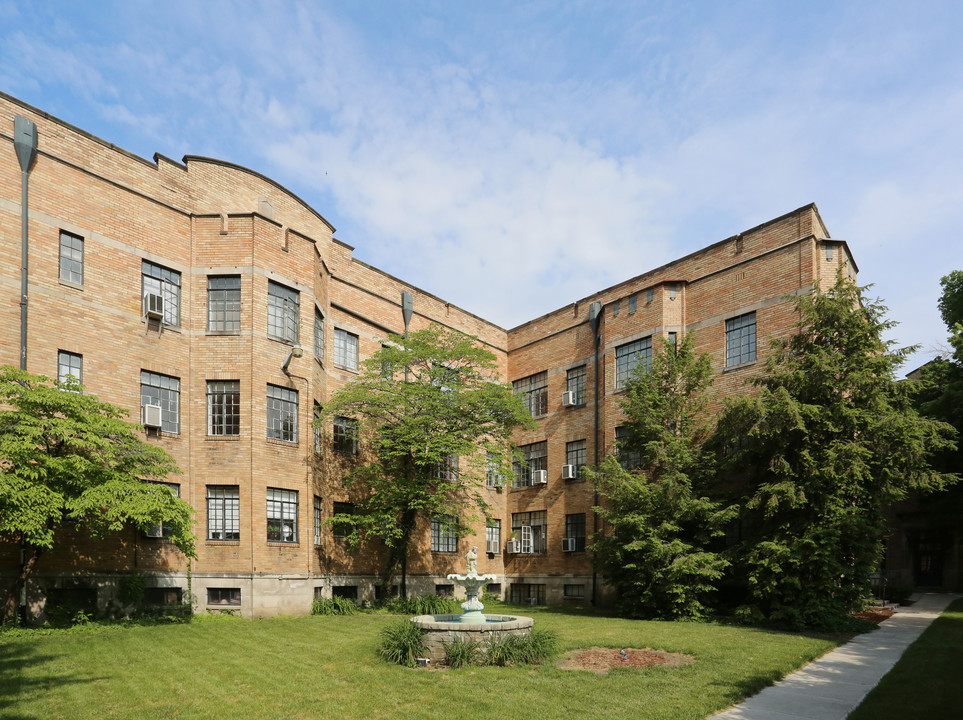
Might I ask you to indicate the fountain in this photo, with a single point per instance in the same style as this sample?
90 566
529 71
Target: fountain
471 625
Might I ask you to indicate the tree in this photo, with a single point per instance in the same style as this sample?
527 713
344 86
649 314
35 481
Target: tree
830 440
66 456
436 422
660 523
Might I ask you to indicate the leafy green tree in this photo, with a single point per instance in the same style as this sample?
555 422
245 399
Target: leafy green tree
828 442
660 524
65 455
435 422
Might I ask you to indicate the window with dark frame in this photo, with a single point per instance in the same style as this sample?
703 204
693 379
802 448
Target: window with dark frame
493 472
345 349
535 457
70 365
223 512
575 454
318 335
741 339
317 519
527 593
224 303
628 357
224 407
573 592
159 280
163 529
534 392
443 536
446 470
493 536
345 436
537 521
633 303
342 529
627 458
316 427
284 312
163 390
224 596
282 515
71 258
575 528
575 382
282 413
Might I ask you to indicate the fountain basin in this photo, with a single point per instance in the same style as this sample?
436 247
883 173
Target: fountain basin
442 629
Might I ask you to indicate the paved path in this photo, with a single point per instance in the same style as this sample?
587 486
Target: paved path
834 685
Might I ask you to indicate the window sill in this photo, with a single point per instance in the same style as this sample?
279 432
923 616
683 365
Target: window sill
353 371
283 341
210 541
223 333
283 543
72 285
282 443
222 438
740 366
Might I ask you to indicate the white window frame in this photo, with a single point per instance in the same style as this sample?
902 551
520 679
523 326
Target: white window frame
223 513
71 258
159 280
345 350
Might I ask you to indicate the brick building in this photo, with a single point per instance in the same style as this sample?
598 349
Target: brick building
178 291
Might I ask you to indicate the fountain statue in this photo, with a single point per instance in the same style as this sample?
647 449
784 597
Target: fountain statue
472 582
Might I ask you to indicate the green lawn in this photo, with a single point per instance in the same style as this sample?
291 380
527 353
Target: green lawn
326 667
925 683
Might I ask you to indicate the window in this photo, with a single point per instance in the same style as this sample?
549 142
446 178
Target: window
159 596
316 428
575 455
649 294
446 470
71 258
318 335
575 530
345 350
673 289
633 303
674 341
445 590
342 529
630 356
224 303
159 280
282 413
163 390
163 530
223 596
829 251
494 589
443 537
345 591
531 528
284 312
223 407
741 339
573 592
345 435
575 382
615 309
70 366
627 458
534 392
493 474
527 593
282 515
493 536
223 512
317 520
535 458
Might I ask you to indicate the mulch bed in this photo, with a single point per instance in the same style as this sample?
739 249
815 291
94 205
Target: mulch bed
876 615
601 660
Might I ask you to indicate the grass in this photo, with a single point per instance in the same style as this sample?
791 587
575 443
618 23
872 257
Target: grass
926 680
328 666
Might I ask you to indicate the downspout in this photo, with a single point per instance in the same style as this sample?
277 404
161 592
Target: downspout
407 306
595 317
25 143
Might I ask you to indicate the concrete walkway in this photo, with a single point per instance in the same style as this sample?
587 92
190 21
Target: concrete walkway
834 685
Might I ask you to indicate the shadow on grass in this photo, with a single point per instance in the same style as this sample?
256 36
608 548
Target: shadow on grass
19 677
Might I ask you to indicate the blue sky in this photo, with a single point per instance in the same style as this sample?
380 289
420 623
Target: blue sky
513 157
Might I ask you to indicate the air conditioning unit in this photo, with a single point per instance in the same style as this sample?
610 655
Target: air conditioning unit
569 472
568 544
513 547
491 547
539 477
151 416
154 306
569 398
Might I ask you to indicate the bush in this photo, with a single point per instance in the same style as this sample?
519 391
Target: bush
531 649
423 605
402 642
333 606
460 652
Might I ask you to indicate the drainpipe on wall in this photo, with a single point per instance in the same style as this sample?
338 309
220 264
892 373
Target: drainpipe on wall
595 318
407 307
25 143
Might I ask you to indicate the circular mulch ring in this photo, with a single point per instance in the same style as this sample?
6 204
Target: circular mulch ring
601 660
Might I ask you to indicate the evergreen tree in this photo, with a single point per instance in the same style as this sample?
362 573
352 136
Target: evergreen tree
434 422
828 442
659 524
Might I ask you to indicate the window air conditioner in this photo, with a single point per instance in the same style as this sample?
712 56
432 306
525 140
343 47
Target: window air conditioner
568 544
513 547
491 547
569 398
539 477
151 416
569 472
154 306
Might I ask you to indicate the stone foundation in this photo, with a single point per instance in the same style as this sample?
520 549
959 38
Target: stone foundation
441 629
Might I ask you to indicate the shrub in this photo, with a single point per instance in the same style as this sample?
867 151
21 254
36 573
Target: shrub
423 605
531 649
402 642
333 606
460 652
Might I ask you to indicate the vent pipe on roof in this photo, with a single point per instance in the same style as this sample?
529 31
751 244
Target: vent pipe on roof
25 143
